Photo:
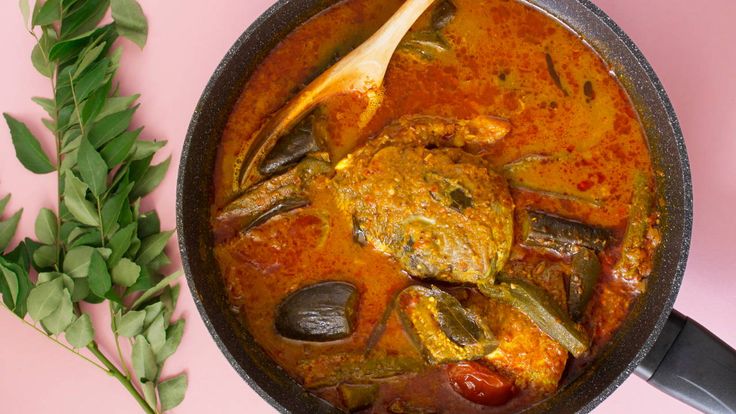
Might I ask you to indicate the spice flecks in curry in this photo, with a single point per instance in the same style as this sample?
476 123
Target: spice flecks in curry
574 150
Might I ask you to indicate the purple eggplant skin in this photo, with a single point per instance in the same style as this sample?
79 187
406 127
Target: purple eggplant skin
272 197
281 207
322 312
562 235
290 149
443 14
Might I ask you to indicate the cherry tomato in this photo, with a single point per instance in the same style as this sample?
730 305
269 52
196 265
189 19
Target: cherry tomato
479 384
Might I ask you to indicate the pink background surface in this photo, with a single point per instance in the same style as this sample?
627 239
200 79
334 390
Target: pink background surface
689 45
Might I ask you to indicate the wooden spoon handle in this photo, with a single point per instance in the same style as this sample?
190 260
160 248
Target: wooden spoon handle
361 70
375 54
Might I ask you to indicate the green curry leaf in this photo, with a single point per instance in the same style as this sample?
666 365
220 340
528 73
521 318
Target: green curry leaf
75 198
131 324
156 334
120 243
7 229
46 226
44 257
144 149
62 317
112 208
115 105
152 246
14 283
11 283
130 21
98 246
77 261
99 278
41 62
80 333
156 289
173 338
144 361
48 13
151 179
171 392
92 79
126 272
45 298
25 11
83 16
92 167
4 203
48 105
118 149
109 127
152 312
88 57
27 148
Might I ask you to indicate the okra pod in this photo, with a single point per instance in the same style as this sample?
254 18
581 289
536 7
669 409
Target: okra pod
536 304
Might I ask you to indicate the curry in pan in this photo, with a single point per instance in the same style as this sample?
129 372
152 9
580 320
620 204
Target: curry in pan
469 247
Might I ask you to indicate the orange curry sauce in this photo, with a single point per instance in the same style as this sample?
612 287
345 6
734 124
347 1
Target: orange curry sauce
584 142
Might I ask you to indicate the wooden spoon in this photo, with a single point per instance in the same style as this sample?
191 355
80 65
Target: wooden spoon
361 71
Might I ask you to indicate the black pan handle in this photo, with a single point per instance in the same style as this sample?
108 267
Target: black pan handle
691 364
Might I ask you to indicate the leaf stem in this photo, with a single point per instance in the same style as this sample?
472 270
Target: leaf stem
117 343
77 107
115 373
54 340
57 138
99 219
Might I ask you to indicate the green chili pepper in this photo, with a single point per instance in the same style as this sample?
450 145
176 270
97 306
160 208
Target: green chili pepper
633 243
358 396
586 269
336 368
541 309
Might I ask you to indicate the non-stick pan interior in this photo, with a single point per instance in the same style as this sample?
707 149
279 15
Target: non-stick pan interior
633 340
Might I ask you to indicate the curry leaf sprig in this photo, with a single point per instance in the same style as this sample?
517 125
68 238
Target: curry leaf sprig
99 246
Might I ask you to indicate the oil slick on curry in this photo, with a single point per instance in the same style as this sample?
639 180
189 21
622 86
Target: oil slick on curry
482 236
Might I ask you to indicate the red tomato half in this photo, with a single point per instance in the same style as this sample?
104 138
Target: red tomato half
479 384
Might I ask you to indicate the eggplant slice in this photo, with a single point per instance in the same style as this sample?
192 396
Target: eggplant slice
270 198
561 235
291 148
319 313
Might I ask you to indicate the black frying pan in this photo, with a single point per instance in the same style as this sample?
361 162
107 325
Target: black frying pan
673 353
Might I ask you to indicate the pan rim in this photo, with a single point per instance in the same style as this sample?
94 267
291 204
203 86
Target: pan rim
682 157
